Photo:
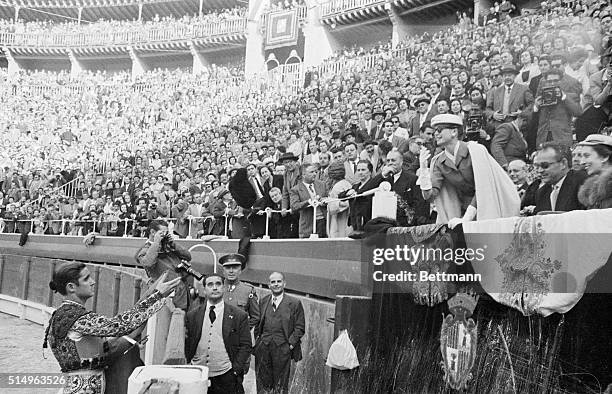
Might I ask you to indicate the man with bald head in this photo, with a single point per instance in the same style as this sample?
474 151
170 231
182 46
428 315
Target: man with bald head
412 210
517 169
278 337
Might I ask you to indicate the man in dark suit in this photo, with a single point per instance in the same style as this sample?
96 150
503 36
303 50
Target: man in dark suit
302 195
278 337
413 210
218 337
561 184
423 115
367 124
508 143
507 101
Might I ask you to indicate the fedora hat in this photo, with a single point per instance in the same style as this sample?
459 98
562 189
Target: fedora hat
509 68
287 156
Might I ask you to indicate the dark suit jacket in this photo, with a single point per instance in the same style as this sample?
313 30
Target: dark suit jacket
508 144
293 321
414 127
369 130
535 83
299 197
408 190
236 334
567 200
520 98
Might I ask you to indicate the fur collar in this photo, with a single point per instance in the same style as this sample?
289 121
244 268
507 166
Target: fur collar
596 189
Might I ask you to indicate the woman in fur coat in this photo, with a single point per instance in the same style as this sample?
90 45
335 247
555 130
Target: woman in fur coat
596 192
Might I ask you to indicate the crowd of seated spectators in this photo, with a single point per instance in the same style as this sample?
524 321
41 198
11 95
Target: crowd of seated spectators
103 27
278 5
175 152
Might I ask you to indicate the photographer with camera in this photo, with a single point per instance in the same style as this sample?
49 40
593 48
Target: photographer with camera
556 104
475 120
160 254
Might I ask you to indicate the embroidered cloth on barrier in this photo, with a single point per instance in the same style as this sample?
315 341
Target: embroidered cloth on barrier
541 264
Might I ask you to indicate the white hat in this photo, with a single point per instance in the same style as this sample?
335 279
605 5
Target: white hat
446 119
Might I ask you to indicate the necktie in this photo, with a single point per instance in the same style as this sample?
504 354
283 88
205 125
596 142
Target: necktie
212 314
274 304
506 106
312 190
553 197
354 167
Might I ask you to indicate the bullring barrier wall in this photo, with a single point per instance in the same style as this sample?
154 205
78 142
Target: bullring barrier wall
316 271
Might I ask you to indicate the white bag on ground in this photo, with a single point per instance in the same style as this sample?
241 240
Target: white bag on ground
342 354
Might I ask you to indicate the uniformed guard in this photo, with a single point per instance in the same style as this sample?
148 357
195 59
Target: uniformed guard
238 293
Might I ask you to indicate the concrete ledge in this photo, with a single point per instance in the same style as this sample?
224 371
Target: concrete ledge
25 310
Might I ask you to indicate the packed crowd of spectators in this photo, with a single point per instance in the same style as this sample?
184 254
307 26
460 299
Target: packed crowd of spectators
174 150
277 5
103 26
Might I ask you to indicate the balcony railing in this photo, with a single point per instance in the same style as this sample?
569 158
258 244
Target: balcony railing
145 35
332 7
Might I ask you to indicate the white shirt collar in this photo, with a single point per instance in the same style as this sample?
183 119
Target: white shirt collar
218 307
279 299
396 176
560 182
453 156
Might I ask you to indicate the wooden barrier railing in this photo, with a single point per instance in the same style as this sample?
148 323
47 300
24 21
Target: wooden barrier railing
320 268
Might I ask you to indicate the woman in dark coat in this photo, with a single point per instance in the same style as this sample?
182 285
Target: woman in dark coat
596 191
361 207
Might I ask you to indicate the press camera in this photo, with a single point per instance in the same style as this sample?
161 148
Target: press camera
551 94
473 124
185 267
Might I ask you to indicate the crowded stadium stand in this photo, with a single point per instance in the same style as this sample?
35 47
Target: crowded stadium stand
171 125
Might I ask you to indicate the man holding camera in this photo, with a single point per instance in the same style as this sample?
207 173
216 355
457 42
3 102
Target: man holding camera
556 104
160 254
600 84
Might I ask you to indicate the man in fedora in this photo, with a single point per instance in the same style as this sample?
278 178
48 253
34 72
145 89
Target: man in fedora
505 102
421 103
377 133
291 178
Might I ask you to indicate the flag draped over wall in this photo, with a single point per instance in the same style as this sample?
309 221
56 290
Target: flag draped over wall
282 29
541 264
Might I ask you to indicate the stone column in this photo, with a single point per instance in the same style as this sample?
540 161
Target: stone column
138 65
319 44
76 67
400 28
13 65
255 61
200 62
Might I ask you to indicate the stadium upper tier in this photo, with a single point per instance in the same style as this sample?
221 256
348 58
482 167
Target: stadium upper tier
93 10
113 33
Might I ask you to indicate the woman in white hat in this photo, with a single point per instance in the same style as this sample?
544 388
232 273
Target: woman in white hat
596 158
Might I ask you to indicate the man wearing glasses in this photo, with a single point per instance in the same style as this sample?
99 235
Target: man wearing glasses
559 184
422 116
